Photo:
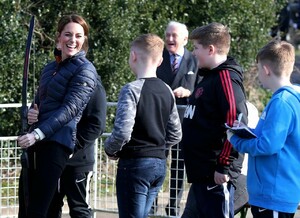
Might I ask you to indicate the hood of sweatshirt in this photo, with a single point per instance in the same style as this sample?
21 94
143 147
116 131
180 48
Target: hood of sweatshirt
230 64
294 90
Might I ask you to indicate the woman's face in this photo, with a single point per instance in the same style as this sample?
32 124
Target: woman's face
70 40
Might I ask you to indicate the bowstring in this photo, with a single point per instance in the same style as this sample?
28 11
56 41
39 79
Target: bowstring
33 67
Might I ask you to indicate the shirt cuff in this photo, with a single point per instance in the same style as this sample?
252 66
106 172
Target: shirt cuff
40 133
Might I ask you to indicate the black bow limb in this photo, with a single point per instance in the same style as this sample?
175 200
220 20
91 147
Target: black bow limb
24 111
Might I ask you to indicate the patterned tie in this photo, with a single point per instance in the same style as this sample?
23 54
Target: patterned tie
175 63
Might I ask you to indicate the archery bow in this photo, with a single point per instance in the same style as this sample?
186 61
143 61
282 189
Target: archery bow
24 110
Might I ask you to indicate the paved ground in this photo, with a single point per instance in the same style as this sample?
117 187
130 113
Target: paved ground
111 215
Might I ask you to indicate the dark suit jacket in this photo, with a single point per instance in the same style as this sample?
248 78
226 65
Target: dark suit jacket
186 75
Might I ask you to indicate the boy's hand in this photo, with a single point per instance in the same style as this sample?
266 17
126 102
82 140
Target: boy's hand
111 156
220 178
236 123
229 134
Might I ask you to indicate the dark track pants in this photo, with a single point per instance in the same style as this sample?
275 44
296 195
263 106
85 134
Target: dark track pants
209 201
259 212
46 163
76 187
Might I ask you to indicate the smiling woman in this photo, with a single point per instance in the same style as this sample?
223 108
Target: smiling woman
64 90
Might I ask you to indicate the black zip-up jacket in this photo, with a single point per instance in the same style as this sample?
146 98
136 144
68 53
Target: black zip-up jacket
90 127
216 100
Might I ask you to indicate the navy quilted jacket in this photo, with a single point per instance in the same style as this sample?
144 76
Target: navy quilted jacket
64 90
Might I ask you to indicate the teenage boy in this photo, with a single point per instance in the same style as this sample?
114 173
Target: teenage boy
147 124
211 164
273 166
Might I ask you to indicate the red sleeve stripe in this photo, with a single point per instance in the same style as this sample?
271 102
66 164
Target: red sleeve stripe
231 114
224 156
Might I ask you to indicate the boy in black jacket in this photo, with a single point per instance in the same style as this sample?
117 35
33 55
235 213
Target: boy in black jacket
217 99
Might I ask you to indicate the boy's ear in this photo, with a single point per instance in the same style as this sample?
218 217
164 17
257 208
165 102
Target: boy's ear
133 55
211 49
267 69
160 61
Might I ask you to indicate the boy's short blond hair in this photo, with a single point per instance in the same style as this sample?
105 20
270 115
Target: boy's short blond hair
213 34
279 56
149 45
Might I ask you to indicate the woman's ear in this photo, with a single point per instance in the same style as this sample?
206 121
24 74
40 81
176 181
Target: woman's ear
58 46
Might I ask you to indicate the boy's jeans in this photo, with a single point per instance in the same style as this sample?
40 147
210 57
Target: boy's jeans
138 183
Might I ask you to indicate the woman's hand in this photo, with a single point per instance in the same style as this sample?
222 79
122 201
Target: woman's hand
33 114
25 141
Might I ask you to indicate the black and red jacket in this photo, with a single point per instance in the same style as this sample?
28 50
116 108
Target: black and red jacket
216 100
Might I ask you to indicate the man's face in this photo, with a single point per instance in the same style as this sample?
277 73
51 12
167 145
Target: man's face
175 39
